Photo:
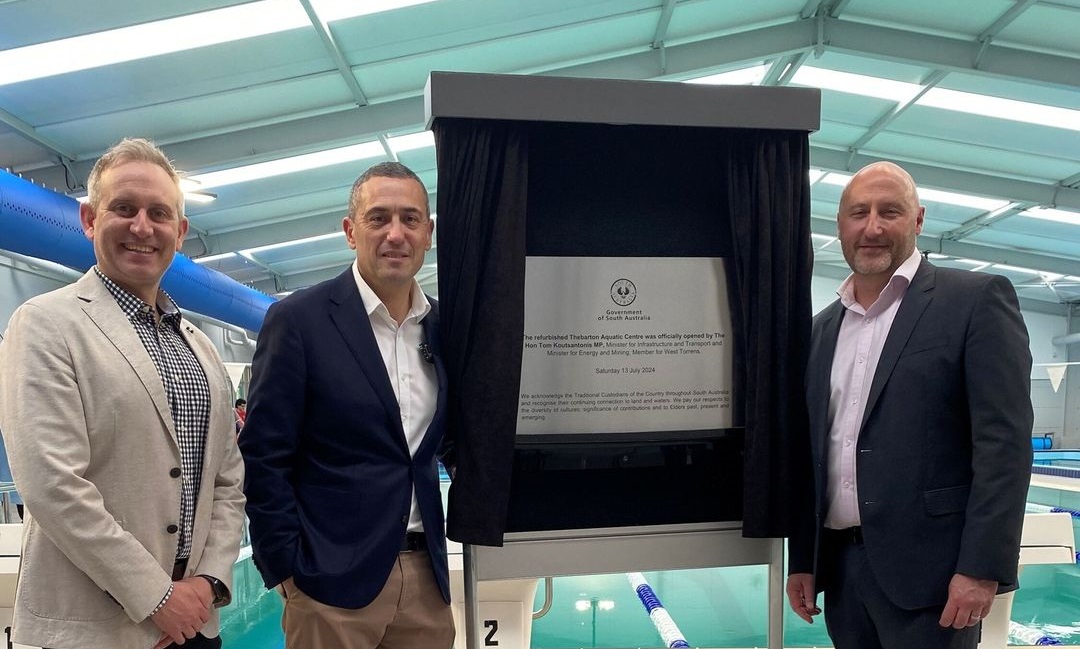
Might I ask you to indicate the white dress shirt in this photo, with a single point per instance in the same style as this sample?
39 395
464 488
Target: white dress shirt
858 348
415 382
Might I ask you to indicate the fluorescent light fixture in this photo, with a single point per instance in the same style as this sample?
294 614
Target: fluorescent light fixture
933 195
963 200
935 255
175 35
1049 214
856 84
199 197
822 237
742 77
209 258
1002 108
420 140
583 605
189 196
1050 277
815 175
294 242
605 605
964 102
970 262
289 165
331 10
1016 269
150 39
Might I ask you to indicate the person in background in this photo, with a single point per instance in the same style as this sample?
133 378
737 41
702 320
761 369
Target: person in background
920 418
240 410
117 418
348 408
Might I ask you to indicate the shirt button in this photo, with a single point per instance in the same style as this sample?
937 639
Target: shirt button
861 359
847 442
854 401
405 518
847 485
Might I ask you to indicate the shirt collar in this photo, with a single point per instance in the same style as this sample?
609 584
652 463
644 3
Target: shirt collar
900 280
418 309
133 306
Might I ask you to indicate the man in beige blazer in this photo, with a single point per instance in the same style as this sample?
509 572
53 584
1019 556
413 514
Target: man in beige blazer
118 419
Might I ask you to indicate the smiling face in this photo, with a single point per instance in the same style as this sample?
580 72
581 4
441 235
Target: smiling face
878 221
390 232
136 226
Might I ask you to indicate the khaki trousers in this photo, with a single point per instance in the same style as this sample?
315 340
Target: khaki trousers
409 613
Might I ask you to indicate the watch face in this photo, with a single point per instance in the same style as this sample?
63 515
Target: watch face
623 292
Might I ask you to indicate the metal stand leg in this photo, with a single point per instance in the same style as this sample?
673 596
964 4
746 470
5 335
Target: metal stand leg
472 610
776 595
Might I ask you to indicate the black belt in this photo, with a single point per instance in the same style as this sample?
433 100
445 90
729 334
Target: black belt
413 542
846 536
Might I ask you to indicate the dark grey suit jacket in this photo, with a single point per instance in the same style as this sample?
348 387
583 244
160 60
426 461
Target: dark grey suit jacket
944 456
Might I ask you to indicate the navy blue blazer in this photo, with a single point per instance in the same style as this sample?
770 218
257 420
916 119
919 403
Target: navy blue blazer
329 478
944 454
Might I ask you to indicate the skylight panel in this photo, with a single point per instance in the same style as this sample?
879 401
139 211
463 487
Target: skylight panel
176 35
289 165
1049 214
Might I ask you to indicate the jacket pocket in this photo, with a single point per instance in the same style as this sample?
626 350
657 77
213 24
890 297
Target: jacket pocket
919 345
949 500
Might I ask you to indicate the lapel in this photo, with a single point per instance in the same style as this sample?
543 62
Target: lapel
826 331
916 299
101 307
351 319
430 324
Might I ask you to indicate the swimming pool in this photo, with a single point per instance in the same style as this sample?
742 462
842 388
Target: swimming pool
715 607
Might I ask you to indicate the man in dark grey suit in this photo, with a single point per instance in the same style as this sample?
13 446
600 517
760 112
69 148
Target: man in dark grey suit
920 414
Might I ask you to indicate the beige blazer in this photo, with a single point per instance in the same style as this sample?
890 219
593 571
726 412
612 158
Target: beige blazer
91 443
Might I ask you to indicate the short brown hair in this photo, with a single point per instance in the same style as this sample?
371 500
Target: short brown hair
131 149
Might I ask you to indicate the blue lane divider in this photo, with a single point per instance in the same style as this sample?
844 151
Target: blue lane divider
669 631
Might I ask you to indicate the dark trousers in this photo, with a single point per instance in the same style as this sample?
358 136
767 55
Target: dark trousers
859 615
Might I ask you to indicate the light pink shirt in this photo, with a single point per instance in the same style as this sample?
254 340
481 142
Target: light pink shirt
858 348
415 383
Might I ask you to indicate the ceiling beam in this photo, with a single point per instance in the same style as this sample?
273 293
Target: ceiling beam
663 23
30 133
883 122
968 182
1004 20
839 274
953 54
827 226
333 49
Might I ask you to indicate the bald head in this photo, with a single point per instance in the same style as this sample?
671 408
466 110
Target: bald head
884 168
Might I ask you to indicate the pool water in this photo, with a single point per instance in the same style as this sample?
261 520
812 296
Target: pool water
715 607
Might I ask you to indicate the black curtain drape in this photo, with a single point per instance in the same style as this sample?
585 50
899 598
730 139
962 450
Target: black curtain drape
764 185
483 178
761 189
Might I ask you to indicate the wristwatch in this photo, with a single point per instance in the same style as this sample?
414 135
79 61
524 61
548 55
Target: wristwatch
222 596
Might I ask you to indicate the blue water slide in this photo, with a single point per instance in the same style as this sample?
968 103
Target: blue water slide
41 223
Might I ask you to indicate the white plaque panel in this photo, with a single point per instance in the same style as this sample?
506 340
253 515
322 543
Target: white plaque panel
625 345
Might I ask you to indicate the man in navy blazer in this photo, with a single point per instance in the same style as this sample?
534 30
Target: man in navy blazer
918 387
345 422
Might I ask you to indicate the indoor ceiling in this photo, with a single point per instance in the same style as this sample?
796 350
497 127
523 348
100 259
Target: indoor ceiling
979 99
